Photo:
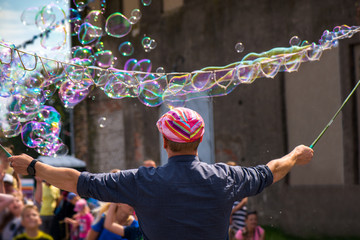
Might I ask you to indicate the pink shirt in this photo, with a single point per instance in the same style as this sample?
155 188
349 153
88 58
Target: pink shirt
259 231
84 224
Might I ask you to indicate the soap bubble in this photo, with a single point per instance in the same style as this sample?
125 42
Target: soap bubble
146 2
102 122
143 65
239 47
56 40
71 93
160 70
49 15
97 20
135 16
152 44
104 59
99 46
81 4
129 64
126 49
60 150
28 15
295 41
146 42
88 33
117 25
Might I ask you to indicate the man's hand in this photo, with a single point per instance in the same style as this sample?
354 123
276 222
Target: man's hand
303 154
20 163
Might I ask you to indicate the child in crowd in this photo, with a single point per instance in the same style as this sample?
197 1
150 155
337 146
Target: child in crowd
129 232
10 222
119 213
251 231
31 221
65 209
81 222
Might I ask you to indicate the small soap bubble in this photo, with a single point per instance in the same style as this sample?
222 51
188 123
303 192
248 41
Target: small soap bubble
146 2
136 13
160 70
305 43
126 49
99 46
133 20
62 150
295 41
152 44
239 47
146 42
102 122
135 16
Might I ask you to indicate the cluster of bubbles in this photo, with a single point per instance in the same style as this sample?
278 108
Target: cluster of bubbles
27 81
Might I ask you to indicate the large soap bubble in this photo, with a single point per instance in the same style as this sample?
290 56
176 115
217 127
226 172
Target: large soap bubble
117 25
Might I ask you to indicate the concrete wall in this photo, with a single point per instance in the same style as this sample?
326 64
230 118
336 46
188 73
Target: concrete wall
254 123
313 95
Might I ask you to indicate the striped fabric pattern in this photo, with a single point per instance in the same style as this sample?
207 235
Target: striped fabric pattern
181 125
238 218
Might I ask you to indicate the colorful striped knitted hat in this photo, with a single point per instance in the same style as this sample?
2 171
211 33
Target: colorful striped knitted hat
181 125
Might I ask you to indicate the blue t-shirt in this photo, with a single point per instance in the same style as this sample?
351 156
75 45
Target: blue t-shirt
105 234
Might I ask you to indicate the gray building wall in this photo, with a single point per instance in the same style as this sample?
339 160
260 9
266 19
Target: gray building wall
255 123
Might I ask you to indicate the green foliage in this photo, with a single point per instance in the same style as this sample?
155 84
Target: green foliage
272 233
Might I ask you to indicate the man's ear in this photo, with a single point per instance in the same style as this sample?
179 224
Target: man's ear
201 138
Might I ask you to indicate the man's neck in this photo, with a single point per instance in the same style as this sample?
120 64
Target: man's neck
172 154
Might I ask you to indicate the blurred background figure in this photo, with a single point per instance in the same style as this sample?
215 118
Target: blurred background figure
8 183
149 163
6 169
251 231
31 221
10 222
47 196
65 209
237 217
113 213
126 228
81 221
238 213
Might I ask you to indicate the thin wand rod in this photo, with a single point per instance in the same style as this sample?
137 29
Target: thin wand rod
4 150
337 113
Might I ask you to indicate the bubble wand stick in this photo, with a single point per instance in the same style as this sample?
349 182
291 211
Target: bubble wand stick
337 113
6 152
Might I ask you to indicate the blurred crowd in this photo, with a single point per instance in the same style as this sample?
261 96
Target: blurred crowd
55 214
51 213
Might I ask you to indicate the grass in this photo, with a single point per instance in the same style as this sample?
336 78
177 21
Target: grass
277 234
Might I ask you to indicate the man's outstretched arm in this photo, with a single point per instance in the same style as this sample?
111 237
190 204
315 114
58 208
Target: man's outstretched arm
301 155
63 178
